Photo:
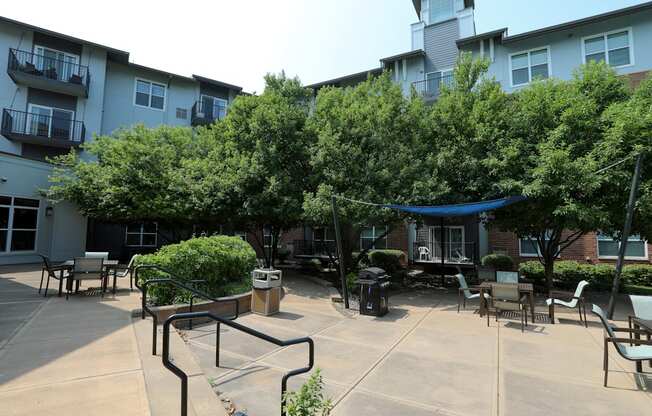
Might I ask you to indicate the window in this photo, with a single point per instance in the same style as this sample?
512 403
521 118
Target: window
454 243
369 235
149 94
141 234
214 108
18 224
241 234
612 47
441 10
526 67
50 122
323 234
528 247
267 236
608 247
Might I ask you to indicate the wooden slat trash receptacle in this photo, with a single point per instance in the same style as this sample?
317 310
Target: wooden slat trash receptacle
266 292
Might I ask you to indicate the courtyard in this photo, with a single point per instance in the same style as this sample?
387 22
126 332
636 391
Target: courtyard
423 358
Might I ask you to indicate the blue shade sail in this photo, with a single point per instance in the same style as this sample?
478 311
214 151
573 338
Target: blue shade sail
458 210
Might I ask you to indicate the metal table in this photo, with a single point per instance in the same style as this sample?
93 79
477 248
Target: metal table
646 325
523 288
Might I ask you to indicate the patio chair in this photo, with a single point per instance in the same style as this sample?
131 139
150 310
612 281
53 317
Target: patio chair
507 297
51 273
576 300
466 293
88 269
507 277
123 271
631 349
97 255
424 253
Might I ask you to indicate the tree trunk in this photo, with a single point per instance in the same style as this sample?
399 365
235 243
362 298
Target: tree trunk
549 268
274 248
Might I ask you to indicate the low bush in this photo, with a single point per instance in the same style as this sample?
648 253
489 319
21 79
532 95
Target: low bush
311 266
309 400
498 262
638 274
389 260
225 263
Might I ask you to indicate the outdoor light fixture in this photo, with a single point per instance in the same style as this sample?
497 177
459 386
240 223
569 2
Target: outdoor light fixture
49 211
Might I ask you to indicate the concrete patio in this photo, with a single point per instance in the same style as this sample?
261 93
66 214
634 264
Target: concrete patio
89 356
424 359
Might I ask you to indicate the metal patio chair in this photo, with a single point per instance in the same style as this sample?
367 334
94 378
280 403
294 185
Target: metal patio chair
507 297
51 271
88 269
575 300
123 271
637 350
467 293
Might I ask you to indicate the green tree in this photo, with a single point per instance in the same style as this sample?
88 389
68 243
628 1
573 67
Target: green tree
550 153
259 163
367 139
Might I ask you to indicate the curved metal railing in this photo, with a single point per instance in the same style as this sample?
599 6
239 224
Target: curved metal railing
193 315
173 282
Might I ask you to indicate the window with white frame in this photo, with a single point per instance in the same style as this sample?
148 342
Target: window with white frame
241 234
142 234
528 66
268 238
608 247
50 122
441 10
528 246
323 234
18 224
612 47
369 238
149 94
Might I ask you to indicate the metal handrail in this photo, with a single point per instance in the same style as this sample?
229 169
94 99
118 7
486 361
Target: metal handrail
433 87
44 66
208 111
195 294
281 343
26 123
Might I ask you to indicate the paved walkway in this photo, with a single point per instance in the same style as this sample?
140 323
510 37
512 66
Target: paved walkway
423 359
58 357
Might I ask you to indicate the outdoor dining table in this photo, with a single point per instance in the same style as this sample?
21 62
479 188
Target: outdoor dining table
523 288
107 264
646 325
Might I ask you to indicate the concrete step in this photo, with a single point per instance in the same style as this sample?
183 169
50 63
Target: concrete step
163 387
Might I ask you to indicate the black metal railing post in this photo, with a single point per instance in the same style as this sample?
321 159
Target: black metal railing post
239 327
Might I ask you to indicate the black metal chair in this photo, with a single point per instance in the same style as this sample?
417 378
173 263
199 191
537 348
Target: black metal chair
52 273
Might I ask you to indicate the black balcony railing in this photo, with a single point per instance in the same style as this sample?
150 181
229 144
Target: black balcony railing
453 252
315 248
206 112
431 88
49 67
42 128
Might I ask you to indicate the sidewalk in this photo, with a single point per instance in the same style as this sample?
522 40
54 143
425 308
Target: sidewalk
61 357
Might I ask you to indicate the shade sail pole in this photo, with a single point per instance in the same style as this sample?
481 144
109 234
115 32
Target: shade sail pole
340 254
443 246
626 230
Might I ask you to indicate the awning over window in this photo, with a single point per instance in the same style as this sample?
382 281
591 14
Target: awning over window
458 210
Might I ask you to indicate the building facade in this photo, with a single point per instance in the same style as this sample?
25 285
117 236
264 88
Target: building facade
56 93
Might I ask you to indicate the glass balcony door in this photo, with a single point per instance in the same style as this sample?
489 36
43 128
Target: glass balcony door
50 122
453 244
214 108
55 64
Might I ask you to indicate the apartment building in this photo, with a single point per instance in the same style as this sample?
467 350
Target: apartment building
445 28
56 93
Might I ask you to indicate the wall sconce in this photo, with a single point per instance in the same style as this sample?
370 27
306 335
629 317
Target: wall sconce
49 211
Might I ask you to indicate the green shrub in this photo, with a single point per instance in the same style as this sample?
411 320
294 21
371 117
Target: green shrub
351 285
388 260
638 274
309 400
311 266
567 274
532 270
225 263
498 262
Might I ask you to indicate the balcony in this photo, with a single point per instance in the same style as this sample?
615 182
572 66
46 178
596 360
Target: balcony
207 112
319 249
430 89
41 129
48 73
454 252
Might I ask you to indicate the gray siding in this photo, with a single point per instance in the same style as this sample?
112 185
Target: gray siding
62 45
52 99
440 47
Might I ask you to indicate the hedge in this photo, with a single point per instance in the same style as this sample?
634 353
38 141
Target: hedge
225 263
498 261
389 260
600 276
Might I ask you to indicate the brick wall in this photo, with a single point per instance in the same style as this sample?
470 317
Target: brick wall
636 78
583 250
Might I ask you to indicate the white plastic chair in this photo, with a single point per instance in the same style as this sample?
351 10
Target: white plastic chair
424 253
576 301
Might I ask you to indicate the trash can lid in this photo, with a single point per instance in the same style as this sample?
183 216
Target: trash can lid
371 273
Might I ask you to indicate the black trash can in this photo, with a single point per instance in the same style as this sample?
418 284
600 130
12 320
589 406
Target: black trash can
374 285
